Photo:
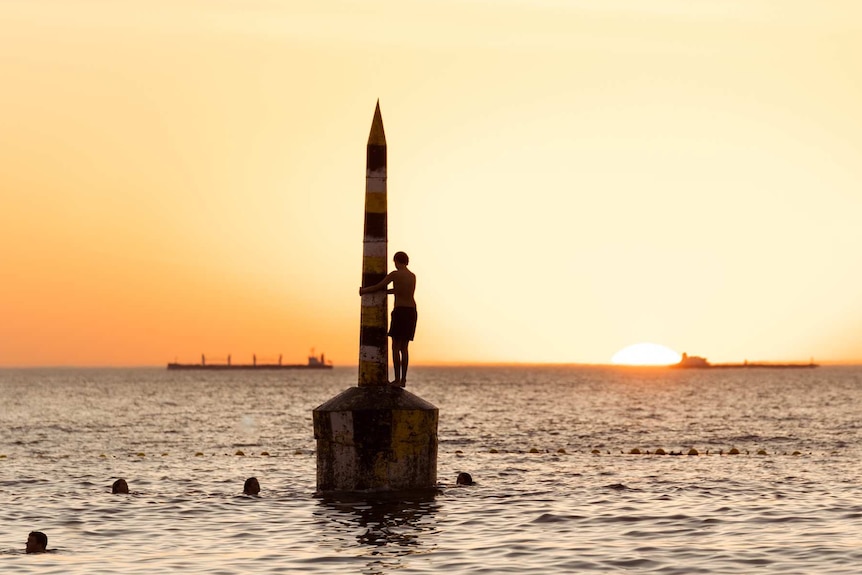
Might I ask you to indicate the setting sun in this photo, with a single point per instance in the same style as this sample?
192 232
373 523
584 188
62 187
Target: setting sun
645 354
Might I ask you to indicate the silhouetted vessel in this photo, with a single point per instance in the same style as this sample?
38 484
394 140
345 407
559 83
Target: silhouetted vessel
697 362
314 362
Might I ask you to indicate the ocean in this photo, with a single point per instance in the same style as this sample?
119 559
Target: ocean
558 489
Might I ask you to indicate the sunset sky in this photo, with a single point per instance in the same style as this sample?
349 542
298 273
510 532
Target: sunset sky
569 177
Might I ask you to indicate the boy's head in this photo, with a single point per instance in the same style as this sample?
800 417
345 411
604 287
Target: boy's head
401 258
251 486
37 542
120 486
464 478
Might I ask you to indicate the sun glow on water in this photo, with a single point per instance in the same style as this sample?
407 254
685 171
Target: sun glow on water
646 354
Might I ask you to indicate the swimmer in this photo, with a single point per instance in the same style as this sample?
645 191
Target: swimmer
251 486
403 326
37 542
120 486
464 479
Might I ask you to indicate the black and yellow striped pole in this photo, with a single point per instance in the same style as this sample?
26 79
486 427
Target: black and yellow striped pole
373 351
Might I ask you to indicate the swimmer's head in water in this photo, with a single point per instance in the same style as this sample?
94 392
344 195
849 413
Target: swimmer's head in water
37 542
401 258
464 479
120 486
251 487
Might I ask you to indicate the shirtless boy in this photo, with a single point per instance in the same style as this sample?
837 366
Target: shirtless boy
403 325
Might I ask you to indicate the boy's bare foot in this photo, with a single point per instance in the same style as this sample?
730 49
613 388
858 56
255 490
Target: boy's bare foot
395 382
403 383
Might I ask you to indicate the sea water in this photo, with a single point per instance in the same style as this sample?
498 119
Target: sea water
557 487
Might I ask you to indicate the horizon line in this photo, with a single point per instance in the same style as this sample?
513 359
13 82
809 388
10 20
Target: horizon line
831 363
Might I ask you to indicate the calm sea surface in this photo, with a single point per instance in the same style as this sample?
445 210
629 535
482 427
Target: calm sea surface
543 503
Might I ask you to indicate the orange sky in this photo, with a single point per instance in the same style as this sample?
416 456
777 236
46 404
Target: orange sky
569 177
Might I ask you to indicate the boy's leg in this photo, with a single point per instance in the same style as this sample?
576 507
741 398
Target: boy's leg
405 359
396 360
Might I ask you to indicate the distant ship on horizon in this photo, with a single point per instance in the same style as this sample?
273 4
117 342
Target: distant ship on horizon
313 363
698 362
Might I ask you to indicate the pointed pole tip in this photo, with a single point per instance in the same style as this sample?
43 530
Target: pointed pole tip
377 137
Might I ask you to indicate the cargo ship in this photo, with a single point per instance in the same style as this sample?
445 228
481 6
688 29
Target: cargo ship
314 362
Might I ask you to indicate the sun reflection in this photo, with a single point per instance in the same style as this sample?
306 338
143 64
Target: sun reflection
645 354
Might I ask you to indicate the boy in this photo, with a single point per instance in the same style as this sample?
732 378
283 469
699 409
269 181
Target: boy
403 325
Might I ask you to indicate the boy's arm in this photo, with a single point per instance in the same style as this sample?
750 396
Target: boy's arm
378 286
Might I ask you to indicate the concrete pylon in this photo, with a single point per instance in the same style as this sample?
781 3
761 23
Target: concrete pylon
375 436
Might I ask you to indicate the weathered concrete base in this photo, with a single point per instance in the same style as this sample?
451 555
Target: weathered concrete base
379 437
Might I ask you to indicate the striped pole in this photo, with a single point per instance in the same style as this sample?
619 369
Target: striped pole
373 352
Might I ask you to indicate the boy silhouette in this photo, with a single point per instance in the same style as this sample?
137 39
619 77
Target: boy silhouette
402 328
